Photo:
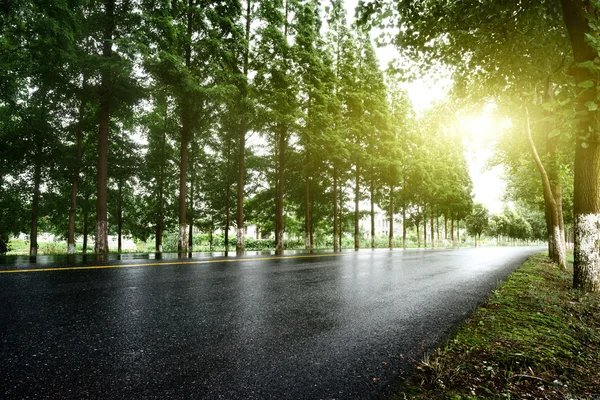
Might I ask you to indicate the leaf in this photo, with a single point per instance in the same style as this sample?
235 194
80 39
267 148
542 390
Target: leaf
586 84
554 133
585 145
591 105
589 65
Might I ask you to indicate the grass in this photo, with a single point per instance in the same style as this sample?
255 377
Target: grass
535 338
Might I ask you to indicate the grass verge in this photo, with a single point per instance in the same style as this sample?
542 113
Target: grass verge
535 338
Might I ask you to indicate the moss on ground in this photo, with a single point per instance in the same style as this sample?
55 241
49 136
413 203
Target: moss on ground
535 338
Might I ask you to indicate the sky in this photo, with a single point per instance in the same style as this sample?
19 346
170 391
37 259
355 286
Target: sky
479 130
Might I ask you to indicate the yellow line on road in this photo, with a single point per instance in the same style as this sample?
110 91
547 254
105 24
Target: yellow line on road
84 267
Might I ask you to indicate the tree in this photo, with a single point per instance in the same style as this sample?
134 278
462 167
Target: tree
276 89
477 221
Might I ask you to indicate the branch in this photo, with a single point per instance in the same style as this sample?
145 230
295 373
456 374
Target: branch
538 162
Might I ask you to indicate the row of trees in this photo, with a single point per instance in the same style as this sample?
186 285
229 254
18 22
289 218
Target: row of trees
538 62
264 114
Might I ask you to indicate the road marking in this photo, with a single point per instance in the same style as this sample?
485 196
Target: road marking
84 267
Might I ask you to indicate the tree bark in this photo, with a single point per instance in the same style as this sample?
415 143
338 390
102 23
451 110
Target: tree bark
391 216
120 219
279 229
186 122
307 205
372 193
556 236
161 189
103 133
356 208
586 197
241 172
37 177
424 228
85 229
431 229
76 170
336 246
403 226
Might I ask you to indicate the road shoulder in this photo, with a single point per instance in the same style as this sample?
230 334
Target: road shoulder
535 337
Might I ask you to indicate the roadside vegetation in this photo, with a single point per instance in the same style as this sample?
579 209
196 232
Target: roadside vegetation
535 338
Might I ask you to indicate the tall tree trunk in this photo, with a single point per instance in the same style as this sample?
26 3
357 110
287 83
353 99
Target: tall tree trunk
307 204
279 229
76 170
424 228
160 223
227 217
586 197
445 227
556 237
458 231
120 219
341 219
85 227
241 172
418 236
37 177
452 230
372 193
336 246
103 133
403 226
431 228
186 129
228 201
356 209
391 215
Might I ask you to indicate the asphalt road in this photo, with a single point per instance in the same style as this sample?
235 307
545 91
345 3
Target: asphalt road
327 326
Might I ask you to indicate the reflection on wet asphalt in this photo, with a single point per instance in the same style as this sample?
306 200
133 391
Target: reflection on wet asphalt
332 326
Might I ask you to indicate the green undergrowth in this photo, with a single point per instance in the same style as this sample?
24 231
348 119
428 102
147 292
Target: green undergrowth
535 338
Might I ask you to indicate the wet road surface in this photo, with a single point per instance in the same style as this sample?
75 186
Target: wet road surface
329 326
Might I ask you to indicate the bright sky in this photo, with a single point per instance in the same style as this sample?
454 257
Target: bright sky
479 130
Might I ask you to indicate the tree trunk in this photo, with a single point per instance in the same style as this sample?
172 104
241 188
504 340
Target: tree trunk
85 229
445 227
241 172
341 220
458 231
76 169
372 190
356 209
391 216
190 207
186 129
227 210
418 236
586 197
452 231
403 226
160 223
279 229
431 229
336 246
556 236
120 219
424 228
307 205
103 133
37 177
